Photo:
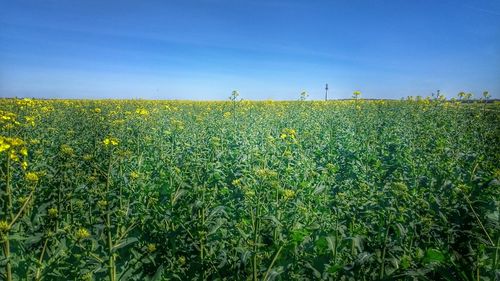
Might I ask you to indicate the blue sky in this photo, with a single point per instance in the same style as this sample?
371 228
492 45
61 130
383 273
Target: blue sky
266 49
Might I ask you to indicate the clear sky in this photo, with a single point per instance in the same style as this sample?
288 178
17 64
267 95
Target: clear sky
266 49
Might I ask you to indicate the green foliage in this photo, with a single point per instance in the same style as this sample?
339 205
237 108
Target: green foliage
239 190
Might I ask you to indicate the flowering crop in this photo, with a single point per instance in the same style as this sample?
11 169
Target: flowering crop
241 190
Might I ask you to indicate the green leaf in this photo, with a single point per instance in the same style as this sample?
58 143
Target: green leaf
124 243
298 235
216 226
275 221
319 189
334 268
158 274
316 273
177 195
433 256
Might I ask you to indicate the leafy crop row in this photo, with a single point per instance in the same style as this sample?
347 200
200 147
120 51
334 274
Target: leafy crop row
239 190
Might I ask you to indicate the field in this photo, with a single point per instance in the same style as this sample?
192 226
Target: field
241 190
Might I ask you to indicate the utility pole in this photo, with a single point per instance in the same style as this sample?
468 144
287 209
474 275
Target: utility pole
326 92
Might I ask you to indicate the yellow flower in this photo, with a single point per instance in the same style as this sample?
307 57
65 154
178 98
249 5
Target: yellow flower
102 204
87 276
82 233
288 193
25 102
110 141
52 212
227 114
30 120
236 182
142 111
249 193
151 247
31 176
266 173
24 165
4 146
287 153
16 142
302 209
97 110
288 133
13 156
182 260
134 175
400 186
79 203
24 151
66 149
22 199
4 226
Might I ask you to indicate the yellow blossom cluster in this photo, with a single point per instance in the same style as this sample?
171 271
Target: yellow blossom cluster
4 226
15 148
288 194
142 111
30 120
25 102
67 150
8 120
265 173
110 141
288 134
82 233
134 175
32 177
151 247
52 212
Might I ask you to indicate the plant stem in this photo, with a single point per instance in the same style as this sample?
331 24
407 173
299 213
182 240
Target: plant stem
272 262
8 266
352 237
255 237
112 269
202 238
479 220
477 268
382 267
275 231
8 191
496 253
25 205
336 239
8 269
37 276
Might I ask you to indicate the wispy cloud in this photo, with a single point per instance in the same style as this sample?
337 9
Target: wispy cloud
483 10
